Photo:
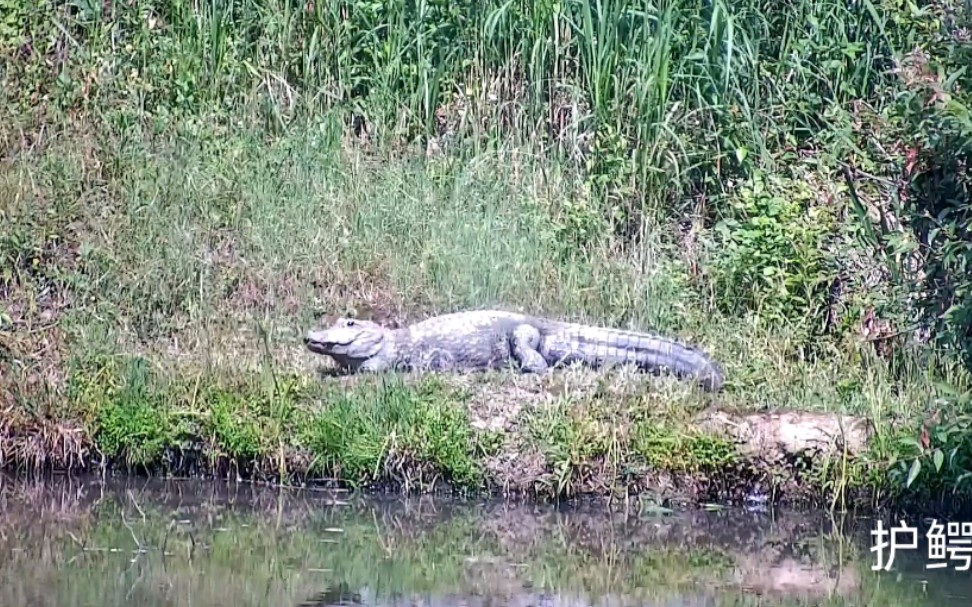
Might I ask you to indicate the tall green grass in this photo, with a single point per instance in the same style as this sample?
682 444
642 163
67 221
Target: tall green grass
662 97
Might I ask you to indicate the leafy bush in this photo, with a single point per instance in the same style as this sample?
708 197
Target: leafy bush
938 202
939 454
772 252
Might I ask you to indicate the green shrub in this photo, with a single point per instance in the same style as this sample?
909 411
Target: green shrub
773 252
937 112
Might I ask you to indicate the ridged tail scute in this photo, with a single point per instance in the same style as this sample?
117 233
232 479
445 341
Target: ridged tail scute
651 353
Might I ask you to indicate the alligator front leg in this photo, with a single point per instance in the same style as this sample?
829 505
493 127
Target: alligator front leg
377 365
524 345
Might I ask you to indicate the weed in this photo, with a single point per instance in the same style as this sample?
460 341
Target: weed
670 448
572 443
936 455
774 255
394 429
136 424
235 428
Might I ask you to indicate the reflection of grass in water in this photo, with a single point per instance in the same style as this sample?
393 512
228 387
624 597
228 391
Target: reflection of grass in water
235 555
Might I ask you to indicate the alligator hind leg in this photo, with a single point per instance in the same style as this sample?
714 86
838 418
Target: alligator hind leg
524 345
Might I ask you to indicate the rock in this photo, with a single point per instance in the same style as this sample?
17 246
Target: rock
782 435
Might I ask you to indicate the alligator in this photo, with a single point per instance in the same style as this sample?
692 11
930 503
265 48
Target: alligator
481 340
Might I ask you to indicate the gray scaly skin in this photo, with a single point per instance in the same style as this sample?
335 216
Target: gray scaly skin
483 340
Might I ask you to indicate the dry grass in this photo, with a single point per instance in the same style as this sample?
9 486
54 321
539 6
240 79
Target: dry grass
37 444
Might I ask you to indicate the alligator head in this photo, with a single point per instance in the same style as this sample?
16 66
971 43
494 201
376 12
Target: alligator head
348 341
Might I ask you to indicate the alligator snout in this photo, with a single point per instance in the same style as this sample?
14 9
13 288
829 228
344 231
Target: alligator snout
314 345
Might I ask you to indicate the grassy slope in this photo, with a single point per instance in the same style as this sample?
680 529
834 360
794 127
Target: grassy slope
205 243
212 260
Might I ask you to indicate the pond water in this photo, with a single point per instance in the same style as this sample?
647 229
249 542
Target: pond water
94 542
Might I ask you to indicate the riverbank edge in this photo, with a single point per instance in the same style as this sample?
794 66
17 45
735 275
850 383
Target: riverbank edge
475 435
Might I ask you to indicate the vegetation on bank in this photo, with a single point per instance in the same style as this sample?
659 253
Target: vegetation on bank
194 185
422 433
572 434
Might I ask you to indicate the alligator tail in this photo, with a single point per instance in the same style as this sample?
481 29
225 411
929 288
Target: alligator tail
653 353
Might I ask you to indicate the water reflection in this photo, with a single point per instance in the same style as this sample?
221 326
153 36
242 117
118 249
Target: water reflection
93 542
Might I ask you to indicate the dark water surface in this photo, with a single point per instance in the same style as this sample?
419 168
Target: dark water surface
84 542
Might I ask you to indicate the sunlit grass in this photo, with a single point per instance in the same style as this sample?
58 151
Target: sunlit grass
199 183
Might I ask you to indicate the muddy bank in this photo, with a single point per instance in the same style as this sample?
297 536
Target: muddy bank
565 435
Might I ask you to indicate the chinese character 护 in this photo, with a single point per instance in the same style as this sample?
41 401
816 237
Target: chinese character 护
889 539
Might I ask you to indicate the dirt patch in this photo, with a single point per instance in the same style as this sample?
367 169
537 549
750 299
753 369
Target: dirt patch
520 471
495 406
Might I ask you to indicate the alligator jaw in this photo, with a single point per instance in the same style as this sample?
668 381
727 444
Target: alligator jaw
317 347
323 346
